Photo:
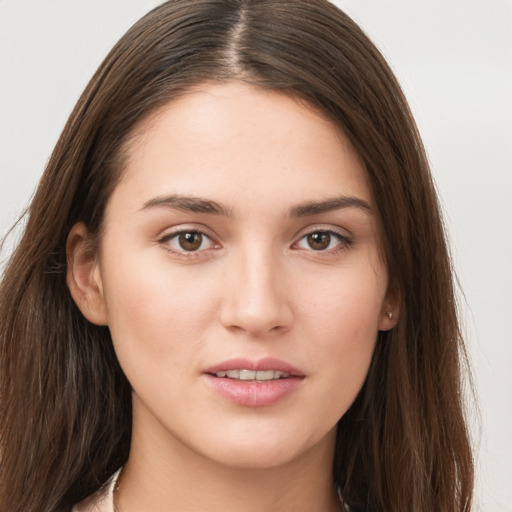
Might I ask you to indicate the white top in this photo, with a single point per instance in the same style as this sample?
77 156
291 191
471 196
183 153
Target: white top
100 501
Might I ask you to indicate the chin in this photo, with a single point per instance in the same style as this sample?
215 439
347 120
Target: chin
268 450
255 459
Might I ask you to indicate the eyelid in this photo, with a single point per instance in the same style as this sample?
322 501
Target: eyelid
183 228
344 237
328 228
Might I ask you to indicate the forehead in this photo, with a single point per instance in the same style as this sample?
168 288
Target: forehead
237 141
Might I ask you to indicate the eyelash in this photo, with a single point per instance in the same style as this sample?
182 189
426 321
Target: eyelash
166 241
344 242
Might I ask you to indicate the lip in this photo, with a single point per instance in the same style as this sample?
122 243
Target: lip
250 393
264 364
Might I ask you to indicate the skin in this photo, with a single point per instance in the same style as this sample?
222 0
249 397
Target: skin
256 286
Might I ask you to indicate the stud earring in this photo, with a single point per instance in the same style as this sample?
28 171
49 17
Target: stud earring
389 314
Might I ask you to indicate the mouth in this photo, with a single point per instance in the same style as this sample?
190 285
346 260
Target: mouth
261 370
260 383
252 375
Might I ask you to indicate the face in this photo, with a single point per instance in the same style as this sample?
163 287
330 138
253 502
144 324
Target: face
240 276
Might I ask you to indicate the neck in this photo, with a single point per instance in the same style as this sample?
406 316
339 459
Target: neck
171 477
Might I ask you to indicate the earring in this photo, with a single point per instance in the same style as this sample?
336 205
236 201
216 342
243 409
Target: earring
389 314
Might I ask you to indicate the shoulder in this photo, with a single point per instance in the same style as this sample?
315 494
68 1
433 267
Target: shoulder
100 501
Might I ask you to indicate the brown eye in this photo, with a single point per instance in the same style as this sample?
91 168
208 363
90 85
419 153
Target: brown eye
319 240
323 241
187 242
190 241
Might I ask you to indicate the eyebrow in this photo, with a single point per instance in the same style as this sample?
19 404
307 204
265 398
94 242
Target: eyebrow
328 205
200 205
187 204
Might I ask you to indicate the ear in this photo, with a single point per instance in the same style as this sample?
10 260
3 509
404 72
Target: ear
84 275
390 309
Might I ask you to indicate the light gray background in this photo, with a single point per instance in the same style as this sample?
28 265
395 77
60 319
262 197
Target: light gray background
454 60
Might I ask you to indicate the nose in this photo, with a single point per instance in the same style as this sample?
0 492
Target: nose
257 296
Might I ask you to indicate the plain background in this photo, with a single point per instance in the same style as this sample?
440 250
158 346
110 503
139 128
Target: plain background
454 60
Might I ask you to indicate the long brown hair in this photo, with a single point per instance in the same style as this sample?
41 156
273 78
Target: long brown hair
65 405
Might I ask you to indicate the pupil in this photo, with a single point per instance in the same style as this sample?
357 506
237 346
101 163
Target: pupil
319 240
190 241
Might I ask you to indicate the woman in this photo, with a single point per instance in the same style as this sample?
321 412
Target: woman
233 290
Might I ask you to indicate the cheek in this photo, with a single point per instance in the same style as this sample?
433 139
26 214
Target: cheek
155 315
343 317
347 305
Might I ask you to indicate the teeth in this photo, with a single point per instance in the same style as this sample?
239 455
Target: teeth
266 375
246 375
260 375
